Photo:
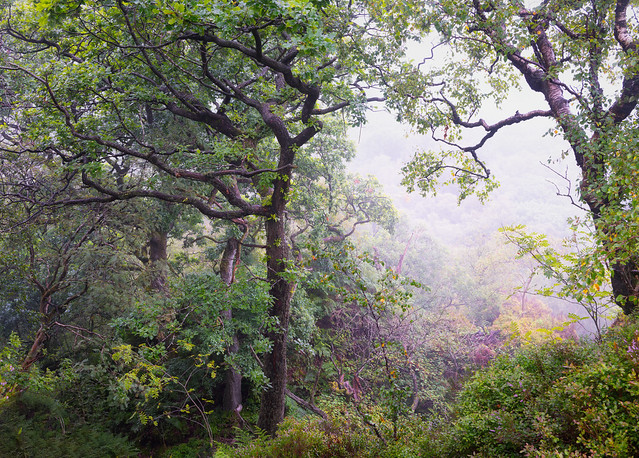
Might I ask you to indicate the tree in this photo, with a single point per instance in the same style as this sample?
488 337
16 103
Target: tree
589 288
53 260
93 85
580 56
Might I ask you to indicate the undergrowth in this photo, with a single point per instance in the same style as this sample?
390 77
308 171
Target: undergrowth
555 399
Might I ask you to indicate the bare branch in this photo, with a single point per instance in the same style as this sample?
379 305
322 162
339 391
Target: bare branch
568 183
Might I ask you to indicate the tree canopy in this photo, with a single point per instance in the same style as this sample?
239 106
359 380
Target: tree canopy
198 104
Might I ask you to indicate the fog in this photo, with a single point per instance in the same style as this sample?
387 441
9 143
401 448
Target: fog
517 156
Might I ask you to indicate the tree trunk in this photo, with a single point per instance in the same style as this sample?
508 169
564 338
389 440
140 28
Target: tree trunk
274 397
625 286
48 313
277 258
36 348
233 379
158 260
624 276
232 400
588 154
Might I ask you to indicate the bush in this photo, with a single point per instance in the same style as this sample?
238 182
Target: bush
554 399
36 425
603 398
344 434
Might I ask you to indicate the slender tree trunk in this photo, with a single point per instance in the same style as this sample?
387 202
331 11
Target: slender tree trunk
158 242
36 348
49 314
232 399
415 379
232 381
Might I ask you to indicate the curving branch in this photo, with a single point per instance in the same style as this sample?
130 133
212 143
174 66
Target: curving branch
112 195
491 130
282 67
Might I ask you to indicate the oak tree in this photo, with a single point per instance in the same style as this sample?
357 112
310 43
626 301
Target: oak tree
580 56
94 86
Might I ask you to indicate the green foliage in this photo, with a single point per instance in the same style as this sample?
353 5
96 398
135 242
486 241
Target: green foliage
429 170
576 54
363 350
344 434
14 380
552 399
173 366
37 425
577 270
203 104
130 100
300 438
204 296
328 203
192 448
605 396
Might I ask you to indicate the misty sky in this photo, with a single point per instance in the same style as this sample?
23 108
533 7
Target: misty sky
513 156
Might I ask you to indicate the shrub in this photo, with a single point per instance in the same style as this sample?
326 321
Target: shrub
304 438
562 399
604 397
344 434
36 425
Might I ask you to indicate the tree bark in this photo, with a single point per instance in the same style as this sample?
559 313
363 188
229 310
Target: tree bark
42 335
232 399
36 348
624 275
625 286
281 291
275 366
158 242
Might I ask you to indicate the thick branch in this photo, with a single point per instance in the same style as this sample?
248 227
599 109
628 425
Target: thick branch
111 195
311 91
627 101
621 27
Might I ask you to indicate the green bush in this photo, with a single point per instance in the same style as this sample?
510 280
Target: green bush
37 425
344 434
304 438
191 449
554 399
604 397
